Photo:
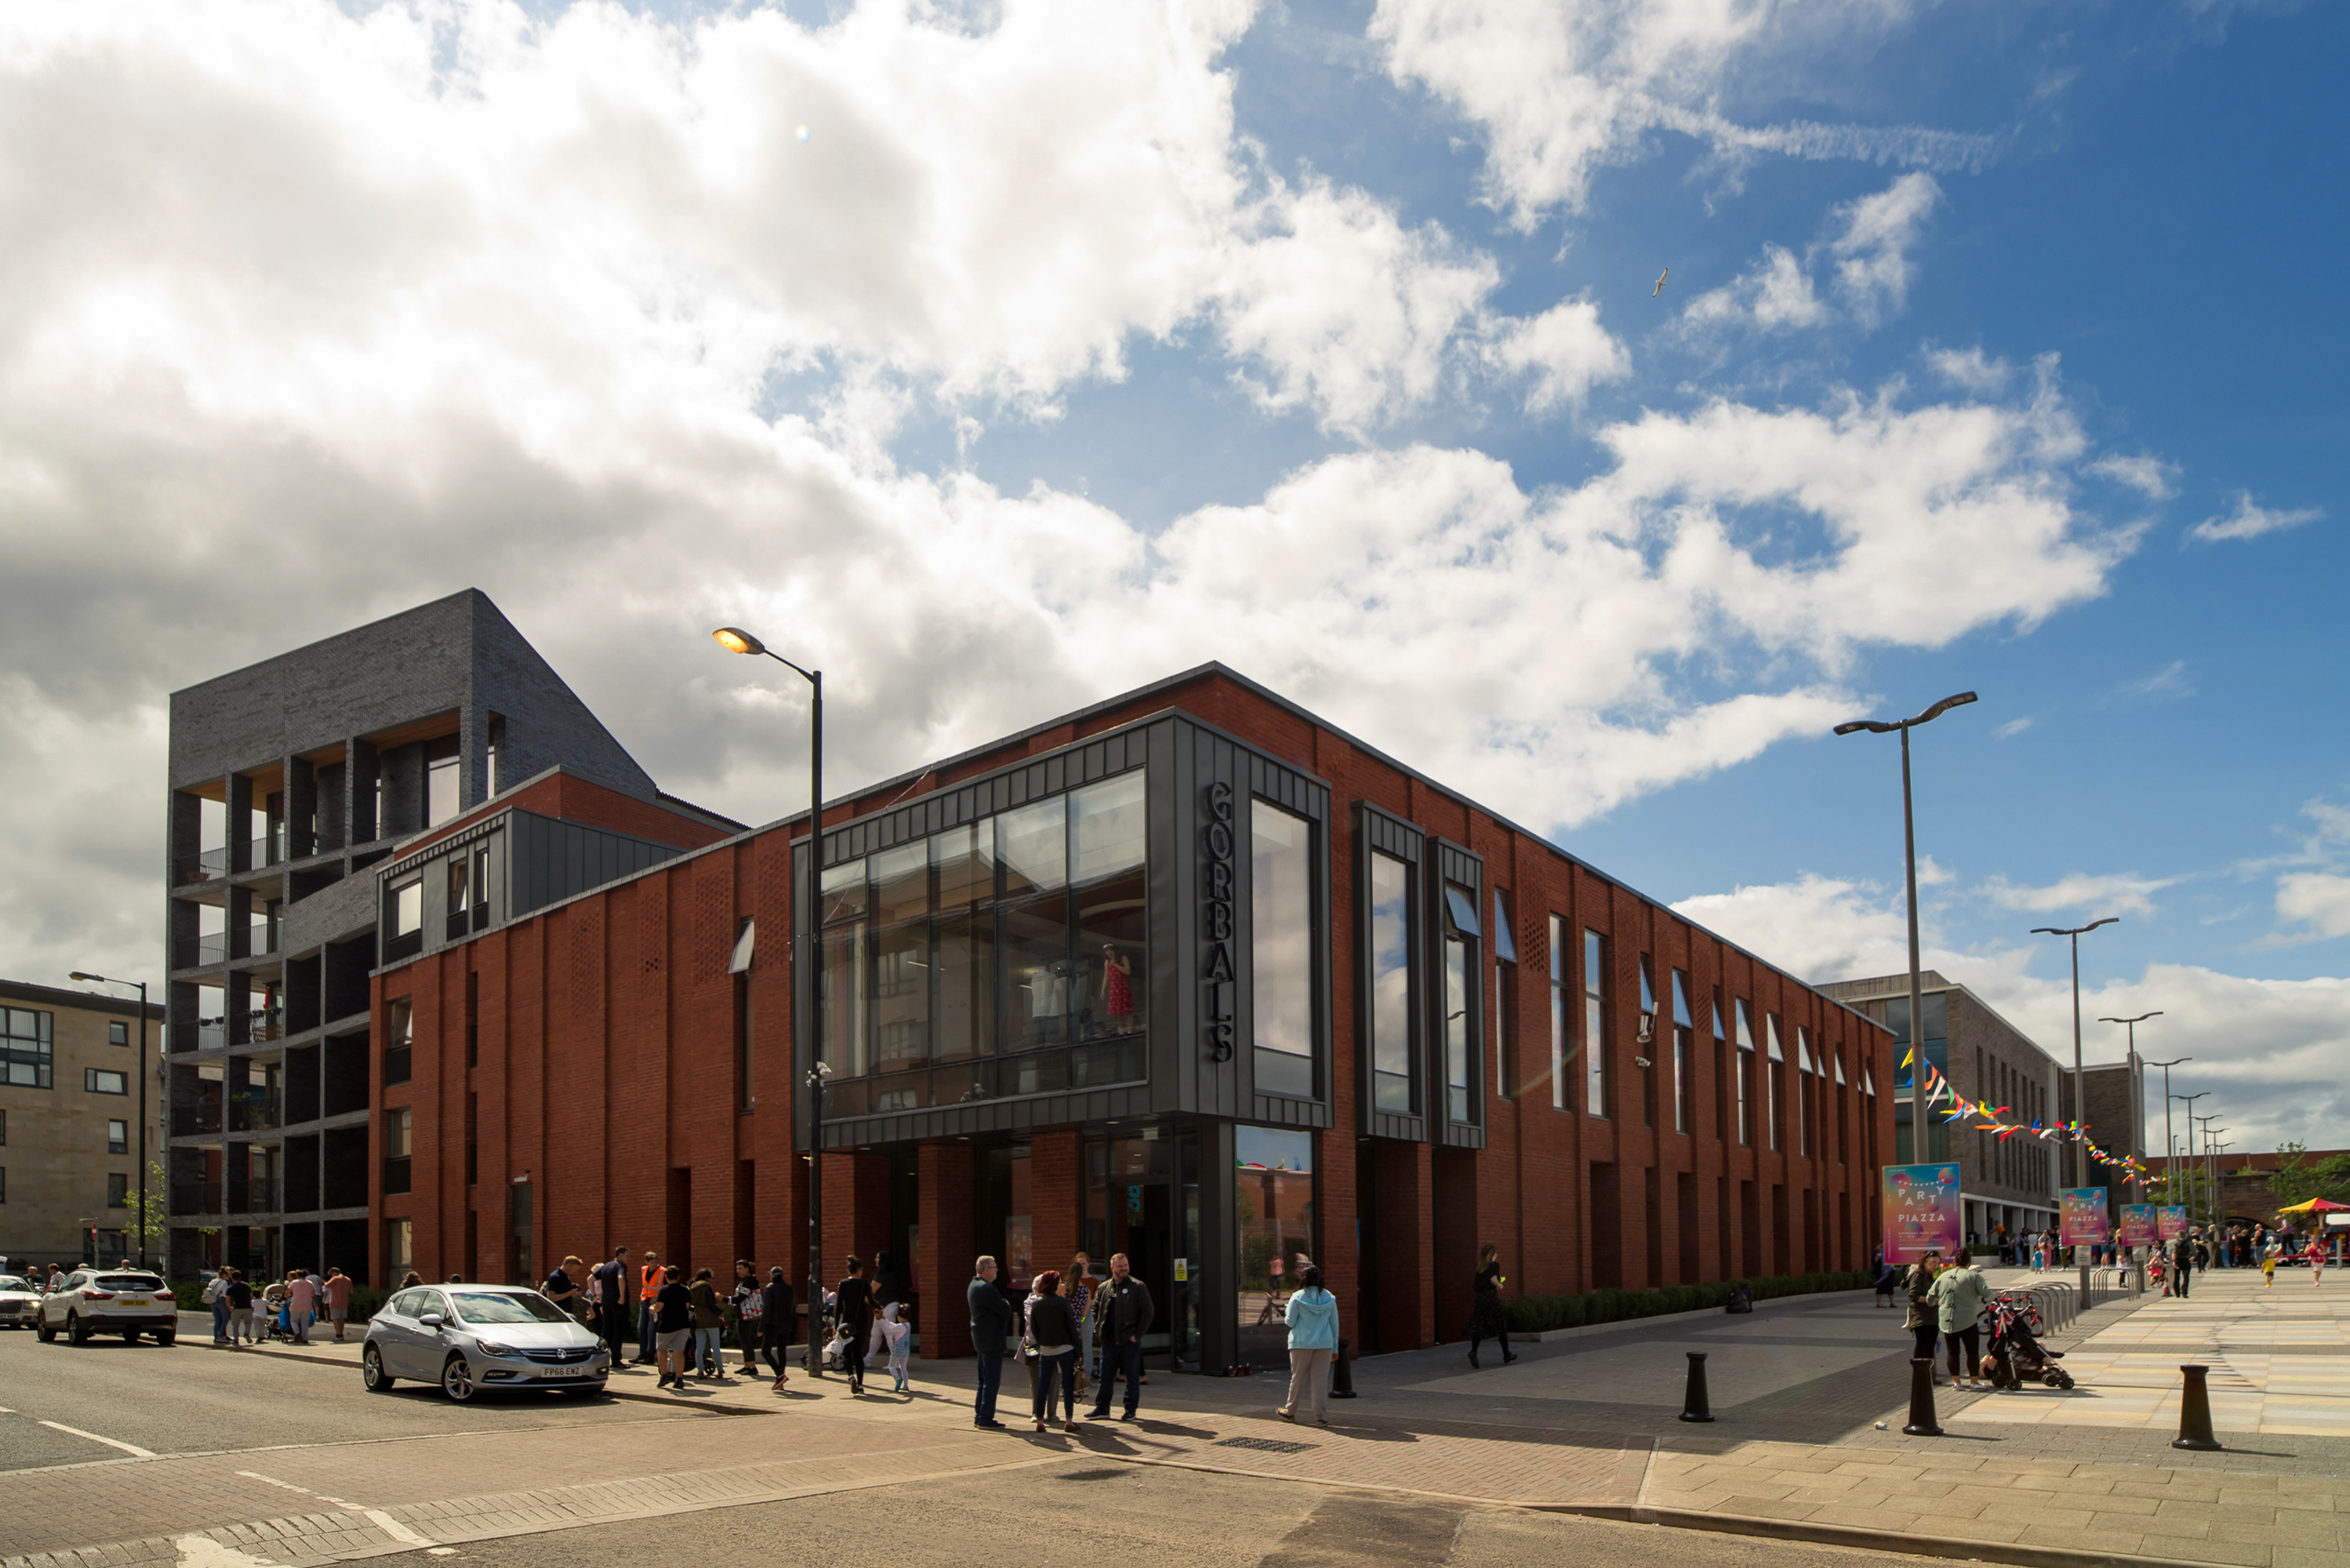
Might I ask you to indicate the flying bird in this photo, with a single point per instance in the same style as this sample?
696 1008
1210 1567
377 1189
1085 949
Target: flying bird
1660 283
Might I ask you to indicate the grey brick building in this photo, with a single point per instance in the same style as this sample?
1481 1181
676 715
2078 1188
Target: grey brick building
286 779
2008 1182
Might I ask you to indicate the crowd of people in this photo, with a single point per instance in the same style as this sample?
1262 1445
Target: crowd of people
288 1307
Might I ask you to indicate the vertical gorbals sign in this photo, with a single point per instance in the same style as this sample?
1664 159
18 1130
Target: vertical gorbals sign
1216 846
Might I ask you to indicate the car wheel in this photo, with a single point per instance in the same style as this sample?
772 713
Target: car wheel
44 1333
457 1380
371 1371
76 1330
167 1337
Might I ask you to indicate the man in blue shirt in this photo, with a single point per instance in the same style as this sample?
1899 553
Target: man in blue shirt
991 1320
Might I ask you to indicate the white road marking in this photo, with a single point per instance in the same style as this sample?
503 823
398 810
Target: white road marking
133 1449
203 1551
374 1516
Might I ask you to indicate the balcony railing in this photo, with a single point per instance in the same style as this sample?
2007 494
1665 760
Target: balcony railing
260 1196
207 865
202 951
196 1120
209 1034
266 850
268 1024
1060 1070
262 939
196 1198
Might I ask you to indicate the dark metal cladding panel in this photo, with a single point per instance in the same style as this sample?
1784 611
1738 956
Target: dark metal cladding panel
1455 862
803 1003
1174 1022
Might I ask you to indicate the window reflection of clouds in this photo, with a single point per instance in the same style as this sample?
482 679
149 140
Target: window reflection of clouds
1281 949
1392 983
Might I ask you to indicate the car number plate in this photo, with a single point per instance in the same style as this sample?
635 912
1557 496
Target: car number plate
563 1371
132 1301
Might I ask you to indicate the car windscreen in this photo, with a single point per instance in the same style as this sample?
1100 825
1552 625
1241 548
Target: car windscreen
11 1282
129 1283
506 1306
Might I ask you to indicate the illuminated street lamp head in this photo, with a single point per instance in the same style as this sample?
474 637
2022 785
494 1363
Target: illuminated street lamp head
734 639
78 974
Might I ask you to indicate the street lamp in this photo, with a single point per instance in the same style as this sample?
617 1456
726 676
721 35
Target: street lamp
2138 1069
1909 861
2188 1100
88 978
2169 1171
2210 1169
2080 1096
734 639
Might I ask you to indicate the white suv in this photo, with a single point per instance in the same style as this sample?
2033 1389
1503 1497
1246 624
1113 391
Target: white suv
109 1301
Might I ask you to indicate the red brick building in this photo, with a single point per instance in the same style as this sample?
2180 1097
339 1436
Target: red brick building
1190 974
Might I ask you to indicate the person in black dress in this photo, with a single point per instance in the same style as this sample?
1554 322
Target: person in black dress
1485 1320
853 1305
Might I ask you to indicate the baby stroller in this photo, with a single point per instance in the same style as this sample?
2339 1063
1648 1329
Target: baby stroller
2015 1353
277 1319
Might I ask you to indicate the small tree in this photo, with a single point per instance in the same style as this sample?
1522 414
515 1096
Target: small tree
2297 1179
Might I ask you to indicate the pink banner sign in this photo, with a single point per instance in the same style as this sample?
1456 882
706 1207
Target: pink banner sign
2174 1221
2140 1226
2083 1218
1921 1211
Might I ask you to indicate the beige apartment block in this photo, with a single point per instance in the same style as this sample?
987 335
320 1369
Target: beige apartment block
69 1073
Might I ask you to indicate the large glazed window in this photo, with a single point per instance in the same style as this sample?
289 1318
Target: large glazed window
1745 1075
1560 1046
1005 957
1389 967
27 1049
1684 1064
1281 947
1461 969
403 917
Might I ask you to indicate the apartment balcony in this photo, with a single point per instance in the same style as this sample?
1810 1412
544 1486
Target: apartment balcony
198 1120
268 1024
255 1110
267 850
206 866
261 1197
196 1198
201 952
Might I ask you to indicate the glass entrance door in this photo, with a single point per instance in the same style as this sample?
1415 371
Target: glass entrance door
1142 1198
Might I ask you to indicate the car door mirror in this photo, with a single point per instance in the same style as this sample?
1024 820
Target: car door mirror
433 1319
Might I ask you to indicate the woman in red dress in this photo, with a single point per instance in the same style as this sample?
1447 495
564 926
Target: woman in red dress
1118 989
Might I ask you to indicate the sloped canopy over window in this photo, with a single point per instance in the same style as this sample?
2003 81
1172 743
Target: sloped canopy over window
1771 1037
743 945
1869 1083
1505 947
1839 1067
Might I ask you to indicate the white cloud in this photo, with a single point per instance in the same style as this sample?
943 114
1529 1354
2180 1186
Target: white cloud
2149 477
1564 350
1776 296
1872 253
2248 521
2122 893
2011 729
1562 88
2317 900
1346 309
1869 257
2269 1050
1971 371
2170 680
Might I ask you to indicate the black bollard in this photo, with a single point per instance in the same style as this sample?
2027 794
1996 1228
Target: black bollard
1922 1399
1694 1404
2195 1413
1342 1373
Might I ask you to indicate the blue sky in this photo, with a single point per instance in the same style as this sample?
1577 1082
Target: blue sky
1003 356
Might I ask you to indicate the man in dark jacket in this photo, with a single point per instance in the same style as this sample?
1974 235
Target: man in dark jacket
2182 1265
616 1309
992 1318
1122 1308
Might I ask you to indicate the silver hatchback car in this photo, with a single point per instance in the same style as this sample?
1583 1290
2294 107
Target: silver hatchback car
470 1338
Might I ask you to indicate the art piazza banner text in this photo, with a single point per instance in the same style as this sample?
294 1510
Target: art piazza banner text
2083 1220
2174 1221
1922 1212
2139 1225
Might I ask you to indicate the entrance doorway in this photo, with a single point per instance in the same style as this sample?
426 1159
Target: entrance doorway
1142 1198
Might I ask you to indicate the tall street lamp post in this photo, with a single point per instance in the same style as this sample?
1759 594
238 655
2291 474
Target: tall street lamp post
2210 1169
88 978
734 639
1909 861
2169 1169
2139 1068
2189 1101
2080 1098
